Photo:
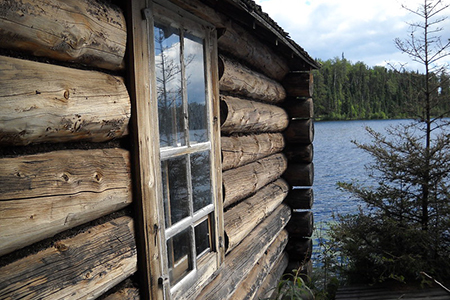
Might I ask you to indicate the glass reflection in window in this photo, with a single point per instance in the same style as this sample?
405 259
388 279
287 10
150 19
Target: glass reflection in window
179 252
201 179
202 237
169 86
175 189
195 75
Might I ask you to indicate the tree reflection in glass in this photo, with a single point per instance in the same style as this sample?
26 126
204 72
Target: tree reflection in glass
169 86
175 189
201 179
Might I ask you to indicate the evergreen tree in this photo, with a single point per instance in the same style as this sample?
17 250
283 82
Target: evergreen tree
404 226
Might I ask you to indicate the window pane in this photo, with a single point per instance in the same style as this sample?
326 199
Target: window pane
195 76
175 186
169 86
201 179
202 237
179 252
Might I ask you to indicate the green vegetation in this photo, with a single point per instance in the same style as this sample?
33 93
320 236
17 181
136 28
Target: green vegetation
348 91
402 229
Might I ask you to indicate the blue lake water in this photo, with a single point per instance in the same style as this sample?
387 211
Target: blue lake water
336 159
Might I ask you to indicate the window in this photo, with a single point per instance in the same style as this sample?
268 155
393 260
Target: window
184 150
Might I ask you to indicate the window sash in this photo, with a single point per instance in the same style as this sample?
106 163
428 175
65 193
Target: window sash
150 220
212 212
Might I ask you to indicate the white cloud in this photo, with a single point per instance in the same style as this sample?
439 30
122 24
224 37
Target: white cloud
364 30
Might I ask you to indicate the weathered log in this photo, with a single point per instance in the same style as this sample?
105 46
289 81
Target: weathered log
269 285
299 153
299 132
244 116
47 193
249 286
48 103
300 198
301 224
124 294
299 248
238 79
299 108
81 267
239 42
299 174
243 181
299 84
88 32
241 219
239 262
240 150
253 51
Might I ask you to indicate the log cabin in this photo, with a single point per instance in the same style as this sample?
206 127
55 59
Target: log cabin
151 149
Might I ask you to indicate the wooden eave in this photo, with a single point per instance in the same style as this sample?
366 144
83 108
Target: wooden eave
250 15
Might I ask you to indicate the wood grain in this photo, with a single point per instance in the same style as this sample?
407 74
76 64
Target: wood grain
244 116
82 267
239 262
247 290
241 219
88 32
240 150
243 181
48 103
270 283
240 80
47 193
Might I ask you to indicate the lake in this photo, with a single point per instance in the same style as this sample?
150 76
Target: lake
336 159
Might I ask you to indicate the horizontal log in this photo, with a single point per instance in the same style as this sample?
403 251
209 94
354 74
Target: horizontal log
269 285
88 32
239 262
241 219
299 174
299 108
82 267
244 116
299 84
299 132
48 103
299 153
251 50
301 224
124 294
241 182
248 289
299 249
300 198
238 79
47 193
240 150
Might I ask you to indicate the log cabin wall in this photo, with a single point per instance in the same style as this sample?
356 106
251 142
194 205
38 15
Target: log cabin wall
66 202
66 223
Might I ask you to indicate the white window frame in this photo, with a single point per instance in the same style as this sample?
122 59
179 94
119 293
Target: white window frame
151 223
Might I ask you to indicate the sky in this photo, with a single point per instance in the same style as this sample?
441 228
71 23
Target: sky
361 30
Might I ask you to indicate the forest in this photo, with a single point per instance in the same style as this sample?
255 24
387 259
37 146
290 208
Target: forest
349 91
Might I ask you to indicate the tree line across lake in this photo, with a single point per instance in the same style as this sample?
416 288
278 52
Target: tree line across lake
346 91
